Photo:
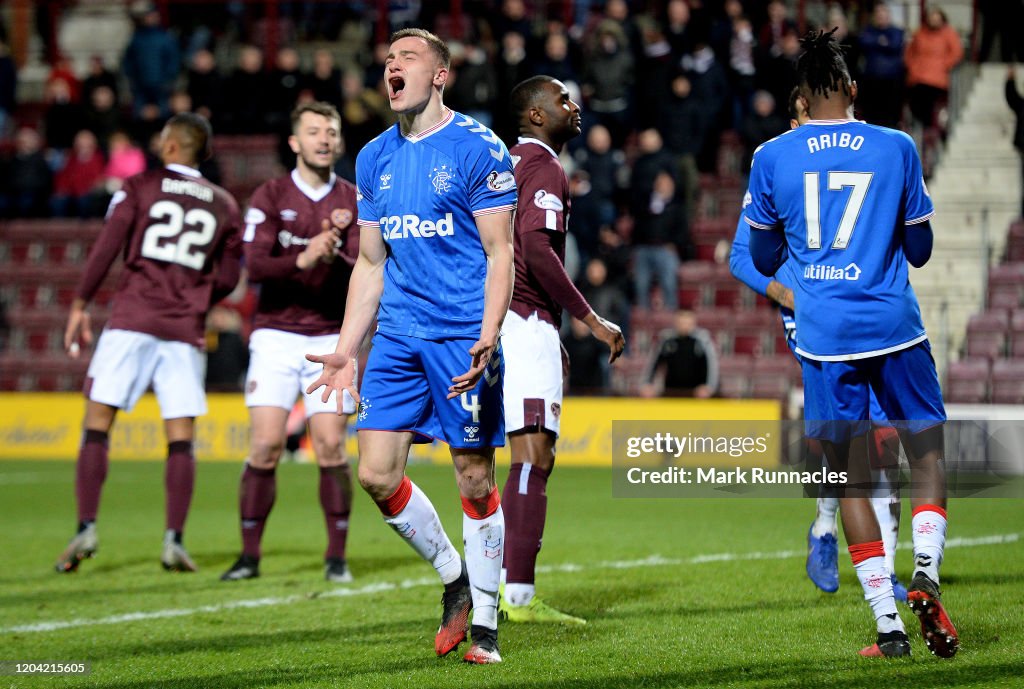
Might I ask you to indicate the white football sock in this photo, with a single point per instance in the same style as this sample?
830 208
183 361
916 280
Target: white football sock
484 541
885 501
825 520
420 526
874 580
929 542
519 594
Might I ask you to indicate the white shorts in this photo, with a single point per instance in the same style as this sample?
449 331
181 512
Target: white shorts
126 362
533 373
279 371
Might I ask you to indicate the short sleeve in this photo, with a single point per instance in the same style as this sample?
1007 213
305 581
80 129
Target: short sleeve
918 205
365 168
491 185
541 206
758 206
257 217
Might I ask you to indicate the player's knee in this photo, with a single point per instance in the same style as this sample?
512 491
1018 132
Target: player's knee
329 451
475 482
378 485
265 454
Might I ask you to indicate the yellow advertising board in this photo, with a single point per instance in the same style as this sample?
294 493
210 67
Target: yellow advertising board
48 426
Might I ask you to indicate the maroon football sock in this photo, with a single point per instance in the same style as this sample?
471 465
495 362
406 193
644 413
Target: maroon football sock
336 501
179 481
525 504
259 488
90 472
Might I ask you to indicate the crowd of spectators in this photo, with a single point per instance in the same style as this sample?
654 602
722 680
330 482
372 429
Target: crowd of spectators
659 83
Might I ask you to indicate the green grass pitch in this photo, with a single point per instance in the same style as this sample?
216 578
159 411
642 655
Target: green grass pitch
679 593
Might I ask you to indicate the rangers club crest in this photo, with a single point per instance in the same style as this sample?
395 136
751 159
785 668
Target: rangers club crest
441 178
341 218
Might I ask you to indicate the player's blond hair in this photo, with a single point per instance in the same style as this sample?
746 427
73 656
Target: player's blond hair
439 47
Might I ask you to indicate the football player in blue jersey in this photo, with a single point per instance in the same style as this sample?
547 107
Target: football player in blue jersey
846 201
822 543
436 194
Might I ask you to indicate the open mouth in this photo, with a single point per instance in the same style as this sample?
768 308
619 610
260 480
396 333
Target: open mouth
397 85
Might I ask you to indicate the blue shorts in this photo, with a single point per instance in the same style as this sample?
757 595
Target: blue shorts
837 394
876 414
405 388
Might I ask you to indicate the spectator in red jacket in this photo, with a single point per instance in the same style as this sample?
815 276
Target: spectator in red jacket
931 56
78 185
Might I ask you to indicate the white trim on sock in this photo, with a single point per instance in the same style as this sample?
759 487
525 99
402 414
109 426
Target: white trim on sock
524 478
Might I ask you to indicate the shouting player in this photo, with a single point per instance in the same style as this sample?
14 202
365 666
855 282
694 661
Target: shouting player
822 542
853 206
301 242
179 235
548 118
435 266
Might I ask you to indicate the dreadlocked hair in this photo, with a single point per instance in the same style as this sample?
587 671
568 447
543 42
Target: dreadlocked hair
821 69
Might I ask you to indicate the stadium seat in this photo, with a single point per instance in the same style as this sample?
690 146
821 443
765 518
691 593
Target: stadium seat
49 372
714 227
246 162
1004 297
705 249
780 343
987 334
728 295
728 291
1017 333
694 283
967 381
772 377
646 328
1015 242
628 374
715 320
1006 278
734 376
1008 381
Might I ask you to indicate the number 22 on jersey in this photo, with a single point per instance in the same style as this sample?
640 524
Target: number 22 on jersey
169 240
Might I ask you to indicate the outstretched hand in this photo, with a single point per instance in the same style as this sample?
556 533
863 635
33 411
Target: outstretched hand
340 374
481 353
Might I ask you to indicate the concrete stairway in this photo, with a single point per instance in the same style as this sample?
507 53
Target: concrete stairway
976 191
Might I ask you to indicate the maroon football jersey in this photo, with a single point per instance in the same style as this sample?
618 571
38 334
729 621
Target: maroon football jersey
543 206
180 237
284 214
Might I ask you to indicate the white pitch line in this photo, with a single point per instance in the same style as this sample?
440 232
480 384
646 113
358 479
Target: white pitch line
369 589
18 478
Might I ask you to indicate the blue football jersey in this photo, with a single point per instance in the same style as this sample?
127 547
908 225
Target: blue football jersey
742 267
423 194
845 193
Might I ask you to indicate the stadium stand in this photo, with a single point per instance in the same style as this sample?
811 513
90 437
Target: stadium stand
39 266
40 259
